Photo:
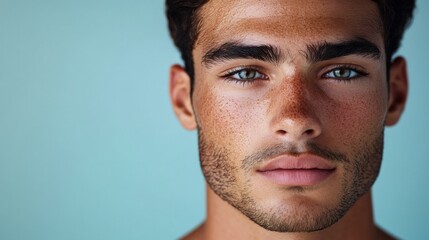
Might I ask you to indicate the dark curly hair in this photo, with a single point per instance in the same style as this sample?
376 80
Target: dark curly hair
184 22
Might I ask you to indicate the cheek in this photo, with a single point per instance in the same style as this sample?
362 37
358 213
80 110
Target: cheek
229 120
357 119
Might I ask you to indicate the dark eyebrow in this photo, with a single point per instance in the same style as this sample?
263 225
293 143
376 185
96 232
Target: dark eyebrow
236 50
325 50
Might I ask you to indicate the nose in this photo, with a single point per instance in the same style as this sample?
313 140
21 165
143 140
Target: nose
294 110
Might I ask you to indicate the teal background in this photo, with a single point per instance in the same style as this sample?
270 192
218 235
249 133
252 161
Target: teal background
90 148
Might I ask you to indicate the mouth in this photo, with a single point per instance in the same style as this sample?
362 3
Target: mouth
302 170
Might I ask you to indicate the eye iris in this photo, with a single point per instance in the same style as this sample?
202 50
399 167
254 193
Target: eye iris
342 73
247 74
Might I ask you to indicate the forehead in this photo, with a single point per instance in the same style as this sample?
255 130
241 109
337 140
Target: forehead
291 21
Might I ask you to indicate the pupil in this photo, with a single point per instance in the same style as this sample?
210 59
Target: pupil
342 73
246 74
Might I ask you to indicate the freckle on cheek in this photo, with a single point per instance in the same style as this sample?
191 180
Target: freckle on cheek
228 120
355 121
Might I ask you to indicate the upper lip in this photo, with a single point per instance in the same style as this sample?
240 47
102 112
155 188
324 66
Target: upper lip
300 162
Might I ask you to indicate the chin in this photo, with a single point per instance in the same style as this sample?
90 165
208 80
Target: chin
296 214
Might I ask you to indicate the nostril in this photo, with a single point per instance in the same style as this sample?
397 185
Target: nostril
281 132
309 132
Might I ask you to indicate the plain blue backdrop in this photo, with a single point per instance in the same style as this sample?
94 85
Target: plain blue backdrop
89 145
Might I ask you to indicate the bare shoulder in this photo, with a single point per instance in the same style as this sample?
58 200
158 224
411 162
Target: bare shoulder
383 235
195 234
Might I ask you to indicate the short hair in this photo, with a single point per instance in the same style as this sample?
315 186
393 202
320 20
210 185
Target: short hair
184 23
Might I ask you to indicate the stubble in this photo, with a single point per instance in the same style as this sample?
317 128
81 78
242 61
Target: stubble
223 177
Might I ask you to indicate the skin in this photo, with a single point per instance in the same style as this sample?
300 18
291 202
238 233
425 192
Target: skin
292 107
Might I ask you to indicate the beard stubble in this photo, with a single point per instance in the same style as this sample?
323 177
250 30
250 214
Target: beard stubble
222 177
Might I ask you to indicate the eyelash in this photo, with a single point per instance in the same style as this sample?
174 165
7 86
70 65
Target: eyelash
359 73
228 75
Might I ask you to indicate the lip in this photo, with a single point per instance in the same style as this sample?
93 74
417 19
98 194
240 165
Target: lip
302 170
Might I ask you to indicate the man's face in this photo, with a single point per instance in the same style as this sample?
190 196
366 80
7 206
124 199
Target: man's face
290 99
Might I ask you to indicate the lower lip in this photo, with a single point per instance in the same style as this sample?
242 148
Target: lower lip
297 177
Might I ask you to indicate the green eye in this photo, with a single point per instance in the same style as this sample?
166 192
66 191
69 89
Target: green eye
343 73
244 75
247 75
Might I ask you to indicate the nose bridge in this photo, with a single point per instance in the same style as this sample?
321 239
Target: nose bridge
296 102
291 98
291 109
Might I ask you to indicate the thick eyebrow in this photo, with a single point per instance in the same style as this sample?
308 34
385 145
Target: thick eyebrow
236 50
317 52
325 50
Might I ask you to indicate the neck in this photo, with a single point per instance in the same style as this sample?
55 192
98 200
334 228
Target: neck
226 222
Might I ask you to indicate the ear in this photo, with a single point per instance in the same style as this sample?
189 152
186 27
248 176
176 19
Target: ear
180 96
398 92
